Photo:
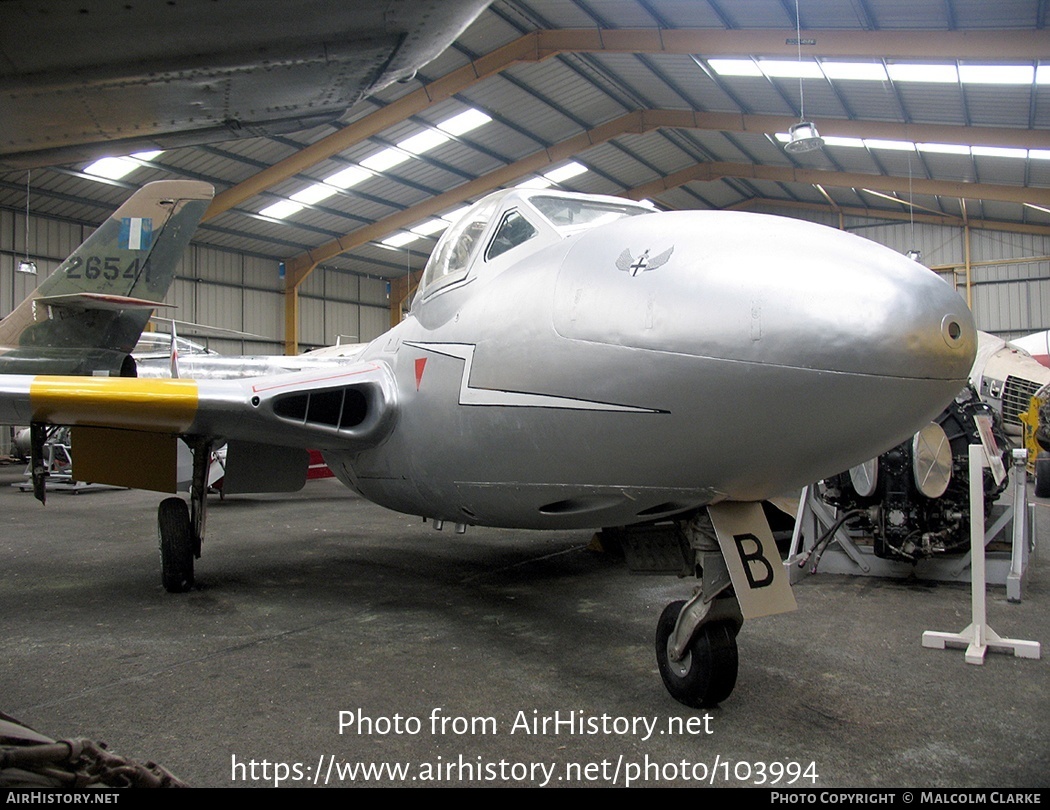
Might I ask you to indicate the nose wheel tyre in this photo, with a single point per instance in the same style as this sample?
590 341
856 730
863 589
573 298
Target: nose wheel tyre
706 674
176 545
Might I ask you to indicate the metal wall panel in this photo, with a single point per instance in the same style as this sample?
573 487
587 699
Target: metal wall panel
341 320
50 242
311 322
49 238
8 301
7 229
259 272
314 284
1039 303
184 271
264 314
987 245
939 245
183 294
375 291
220 305
230 346
340 286
374 322
219 265
7 262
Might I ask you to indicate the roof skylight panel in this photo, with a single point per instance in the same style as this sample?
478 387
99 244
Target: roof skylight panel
734 67
385 159
996 74
790 69
400 239
464 122
423 141
535 182
282 209
314 194
944 148
430 226
854 71
937 74
114 168
563 173
350 176
883 143
833 140
998 151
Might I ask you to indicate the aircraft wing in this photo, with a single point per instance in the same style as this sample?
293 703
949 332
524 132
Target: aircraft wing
346 409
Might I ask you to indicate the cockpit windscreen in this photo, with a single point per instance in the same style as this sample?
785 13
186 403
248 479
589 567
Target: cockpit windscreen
567 213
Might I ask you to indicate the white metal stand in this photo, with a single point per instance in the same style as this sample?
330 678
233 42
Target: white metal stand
978 637
58 461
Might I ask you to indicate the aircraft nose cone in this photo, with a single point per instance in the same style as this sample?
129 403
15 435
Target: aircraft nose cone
767 290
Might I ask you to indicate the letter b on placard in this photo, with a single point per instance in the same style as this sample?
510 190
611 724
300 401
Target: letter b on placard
759 579
749 547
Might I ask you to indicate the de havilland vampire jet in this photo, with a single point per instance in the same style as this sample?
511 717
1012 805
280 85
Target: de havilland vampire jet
576 361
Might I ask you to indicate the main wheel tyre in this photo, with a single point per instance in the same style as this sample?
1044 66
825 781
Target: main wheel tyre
176 545
706 674
1042 475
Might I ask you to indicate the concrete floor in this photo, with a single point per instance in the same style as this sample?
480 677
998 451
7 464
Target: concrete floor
320 604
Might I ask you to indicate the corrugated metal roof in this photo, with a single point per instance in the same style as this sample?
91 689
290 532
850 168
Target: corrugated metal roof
541 104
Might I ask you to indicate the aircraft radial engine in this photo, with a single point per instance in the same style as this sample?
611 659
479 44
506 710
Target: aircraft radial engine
576 361
914 500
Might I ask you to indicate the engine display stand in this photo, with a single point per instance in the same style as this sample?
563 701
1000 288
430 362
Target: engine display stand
846 556
978 637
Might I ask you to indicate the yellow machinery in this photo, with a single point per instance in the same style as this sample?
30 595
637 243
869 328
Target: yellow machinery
1035 423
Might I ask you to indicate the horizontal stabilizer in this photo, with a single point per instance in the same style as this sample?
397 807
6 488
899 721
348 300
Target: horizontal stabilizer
86 301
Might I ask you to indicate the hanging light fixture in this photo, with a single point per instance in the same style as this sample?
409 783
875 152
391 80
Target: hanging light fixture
27 265
803 136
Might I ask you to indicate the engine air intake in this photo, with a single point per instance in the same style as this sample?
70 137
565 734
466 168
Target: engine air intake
340 408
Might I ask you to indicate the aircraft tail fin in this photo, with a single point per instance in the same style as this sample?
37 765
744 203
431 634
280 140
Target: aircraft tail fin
101 297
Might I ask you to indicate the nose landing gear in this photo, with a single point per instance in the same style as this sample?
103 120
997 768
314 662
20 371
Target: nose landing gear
703 674
728 546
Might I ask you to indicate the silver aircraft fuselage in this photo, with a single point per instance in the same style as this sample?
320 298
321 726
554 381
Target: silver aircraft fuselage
583 361
660 362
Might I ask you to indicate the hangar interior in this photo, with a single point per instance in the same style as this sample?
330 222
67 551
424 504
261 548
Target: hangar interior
934 117
935 121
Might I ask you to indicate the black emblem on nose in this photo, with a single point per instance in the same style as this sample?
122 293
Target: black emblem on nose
643 263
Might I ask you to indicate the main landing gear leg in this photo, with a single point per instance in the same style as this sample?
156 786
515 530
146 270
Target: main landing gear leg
696 640
181 528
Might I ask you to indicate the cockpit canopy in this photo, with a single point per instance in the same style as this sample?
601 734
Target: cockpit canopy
502 221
